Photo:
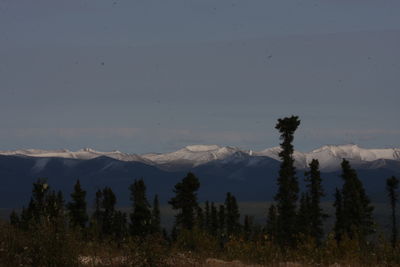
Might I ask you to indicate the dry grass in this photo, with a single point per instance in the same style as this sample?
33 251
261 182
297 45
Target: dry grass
48 247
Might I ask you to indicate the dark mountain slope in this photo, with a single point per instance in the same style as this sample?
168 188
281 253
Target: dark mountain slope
247 177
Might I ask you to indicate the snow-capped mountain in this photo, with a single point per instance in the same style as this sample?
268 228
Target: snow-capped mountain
84 154
249 175
329 156
193 155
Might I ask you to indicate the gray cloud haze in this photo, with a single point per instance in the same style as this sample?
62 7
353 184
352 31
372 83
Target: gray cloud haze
141 76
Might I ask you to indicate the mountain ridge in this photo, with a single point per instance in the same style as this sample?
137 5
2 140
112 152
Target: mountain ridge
192 156
247 175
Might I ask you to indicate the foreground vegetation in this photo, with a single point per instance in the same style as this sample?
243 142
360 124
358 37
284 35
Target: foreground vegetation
50 232
47 246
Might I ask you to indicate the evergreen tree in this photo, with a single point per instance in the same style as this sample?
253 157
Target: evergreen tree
106 220
97 202
247 227
120 221
392 186
304 216
77 207
103 218
316 216
200 218
214 219
232 215
55 207
288 187
45 205
141 217
60 200
108 211
221 218
38 203
185 201
155 216
339 227
271 227
26 216
97 216
357 209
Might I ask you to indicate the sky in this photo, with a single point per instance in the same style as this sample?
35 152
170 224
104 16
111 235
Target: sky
155 76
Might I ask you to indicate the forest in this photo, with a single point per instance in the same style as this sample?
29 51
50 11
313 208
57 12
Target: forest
49 231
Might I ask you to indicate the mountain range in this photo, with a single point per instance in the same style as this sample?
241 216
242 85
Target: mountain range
250 175
192 156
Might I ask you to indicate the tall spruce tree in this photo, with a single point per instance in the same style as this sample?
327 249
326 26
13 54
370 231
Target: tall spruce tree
288 187
105 218
356 206
45 206
155 216
108 211
232 215
315 193
392 186
38 205
141 217
185 201
96 219
304 216
78 216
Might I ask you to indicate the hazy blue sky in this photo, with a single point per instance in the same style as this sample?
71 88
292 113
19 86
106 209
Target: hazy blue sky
154 76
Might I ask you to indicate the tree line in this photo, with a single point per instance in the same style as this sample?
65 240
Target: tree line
106 221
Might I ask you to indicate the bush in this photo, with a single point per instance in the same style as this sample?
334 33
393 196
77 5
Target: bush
262 252
197 241
43 245
147 251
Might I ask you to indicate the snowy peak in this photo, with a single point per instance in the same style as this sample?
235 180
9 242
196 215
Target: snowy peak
193 155
330 156
344 151
357 153
202 148
83 154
